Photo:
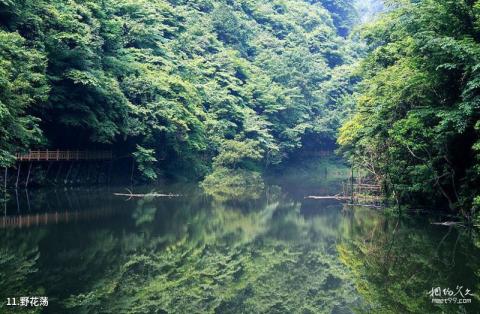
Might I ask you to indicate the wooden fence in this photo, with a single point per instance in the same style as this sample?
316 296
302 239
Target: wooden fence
60 155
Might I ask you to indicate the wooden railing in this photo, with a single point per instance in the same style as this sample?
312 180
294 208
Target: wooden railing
58 155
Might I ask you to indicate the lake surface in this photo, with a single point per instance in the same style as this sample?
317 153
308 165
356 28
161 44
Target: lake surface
260 249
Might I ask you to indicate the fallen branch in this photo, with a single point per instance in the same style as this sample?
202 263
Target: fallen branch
365 205
328 197
447 223
132 195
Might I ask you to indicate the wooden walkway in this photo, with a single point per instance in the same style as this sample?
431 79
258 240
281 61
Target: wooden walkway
62 155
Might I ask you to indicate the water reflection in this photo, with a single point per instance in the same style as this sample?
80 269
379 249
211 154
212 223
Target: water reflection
220 252
396 263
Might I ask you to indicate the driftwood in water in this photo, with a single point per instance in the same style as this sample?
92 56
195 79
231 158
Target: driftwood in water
328 197
365 205
447 223
130 194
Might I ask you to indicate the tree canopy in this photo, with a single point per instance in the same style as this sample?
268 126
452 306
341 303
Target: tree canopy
415 126
181 85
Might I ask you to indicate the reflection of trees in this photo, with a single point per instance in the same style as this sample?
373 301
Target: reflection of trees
476 266
18 267
201 255
235 187
396 263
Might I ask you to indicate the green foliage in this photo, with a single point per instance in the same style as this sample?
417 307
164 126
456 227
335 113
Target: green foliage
145 159
202 83
22 83
414 124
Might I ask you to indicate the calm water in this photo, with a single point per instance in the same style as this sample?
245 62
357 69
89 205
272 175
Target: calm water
262 249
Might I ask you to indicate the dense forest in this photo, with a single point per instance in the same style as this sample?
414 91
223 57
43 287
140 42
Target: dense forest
192 88
237 131
416 123
184 86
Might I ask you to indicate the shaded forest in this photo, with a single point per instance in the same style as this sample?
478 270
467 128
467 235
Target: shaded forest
209 88
184 86
416 122
239 132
